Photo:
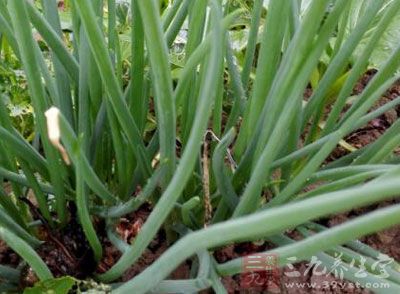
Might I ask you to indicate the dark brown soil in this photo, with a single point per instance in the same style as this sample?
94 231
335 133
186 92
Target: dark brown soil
375 128
128 228
7 256
386 241
66 252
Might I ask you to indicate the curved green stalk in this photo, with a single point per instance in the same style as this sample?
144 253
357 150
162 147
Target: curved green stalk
313 164
186 209
170 13
359 67
10 274
252 41
22 180
162 83
134 203
176 25
222 179
253 226
27 253
268 63
239 93
341 184
25 150
40 196
9 221
337 65
80 160
317 144
82 204
54 41
30 62
137 100
62 80
115 94
186 164
353 229
267 140
198 56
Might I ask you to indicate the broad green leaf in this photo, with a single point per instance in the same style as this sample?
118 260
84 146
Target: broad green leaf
390 38
60 286
388 43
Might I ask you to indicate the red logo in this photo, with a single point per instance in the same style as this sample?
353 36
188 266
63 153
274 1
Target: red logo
260 272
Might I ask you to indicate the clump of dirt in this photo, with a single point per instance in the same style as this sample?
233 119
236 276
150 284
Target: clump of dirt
65 252
7 256
69 253
386 241
127 229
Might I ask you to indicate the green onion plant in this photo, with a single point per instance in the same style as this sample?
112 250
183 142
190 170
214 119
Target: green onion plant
105 124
